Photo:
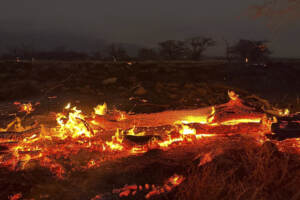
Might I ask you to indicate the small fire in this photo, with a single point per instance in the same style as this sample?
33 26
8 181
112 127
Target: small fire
116 144
232 95
72 124
133 133
101 109
199 119
175 180
68 106
186 130
284 112
25 107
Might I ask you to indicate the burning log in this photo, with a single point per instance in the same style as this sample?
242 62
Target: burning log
231 113
153 119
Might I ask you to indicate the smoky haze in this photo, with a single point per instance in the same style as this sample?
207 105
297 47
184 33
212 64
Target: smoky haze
88 25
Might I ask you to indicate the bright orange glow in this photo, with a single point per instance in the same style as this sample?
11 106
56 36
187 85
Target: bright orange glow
15 196
175 180
116 143
101 109
199 119
132 132
132 190
192 119
186 130
72 124
138 150
284 112
68 106
171 183
25 107
166 143
206 159
232 95
239 121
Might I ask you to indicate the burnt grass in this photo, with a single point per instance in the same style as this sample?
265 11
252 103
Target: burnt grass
243 170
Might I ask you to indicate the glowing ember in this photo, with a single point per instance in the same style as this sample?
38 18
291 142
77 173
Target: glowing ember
199 119
186 130
138 150
132 190
116 143
171 183
133 133
232 95
72 124
25 107
206 159
166 143
15 196
284 112
239 121
100 109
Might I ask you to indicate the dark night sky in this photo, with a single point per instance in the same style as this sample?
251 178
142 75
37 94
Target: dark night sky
146 22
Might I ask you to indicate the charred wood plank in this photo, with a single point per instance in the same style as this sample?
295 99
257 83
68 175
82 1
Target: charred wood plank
152 119
219 114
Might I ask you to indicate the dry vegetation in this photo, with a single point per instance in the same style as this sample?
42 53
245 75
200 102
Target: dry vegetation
246 172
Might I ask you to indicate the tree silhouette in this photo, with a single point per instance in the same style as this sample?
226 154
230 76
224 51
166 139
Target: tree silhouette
250 51
197 45
172 49
228 54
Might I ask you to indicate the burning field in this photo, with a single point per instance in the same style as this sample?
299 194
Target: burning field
230 150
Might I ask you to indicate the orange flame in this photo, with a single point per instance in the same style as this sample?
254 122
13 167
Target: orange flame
25 107
100 109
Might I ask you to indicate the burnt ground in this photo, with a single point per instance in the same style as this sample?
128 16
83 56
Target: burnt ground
153 87
169 85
